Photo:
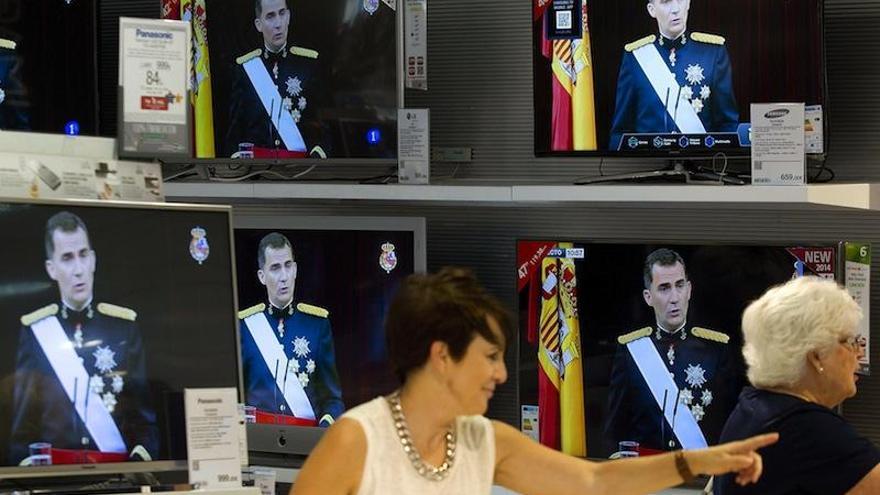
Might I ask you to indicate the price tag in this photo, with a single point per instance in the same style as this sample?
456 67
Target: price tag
154 66
212 438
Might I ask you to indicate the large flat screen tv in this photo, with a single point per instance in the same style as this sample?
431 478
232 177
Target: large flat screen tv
313 293
294 78
672 77
641 342
109 310
48 66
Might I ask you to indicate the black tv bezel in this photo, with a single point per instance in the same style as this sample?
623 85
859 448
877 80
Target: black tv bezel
690 154
838 245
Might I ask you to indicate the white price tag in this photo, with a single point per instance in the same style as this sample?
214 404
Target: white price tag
212 437
778 157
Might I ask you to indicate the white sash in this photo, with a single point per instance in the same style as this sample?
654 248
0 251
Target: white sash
657 377
73 375
667 89
272 103
272 352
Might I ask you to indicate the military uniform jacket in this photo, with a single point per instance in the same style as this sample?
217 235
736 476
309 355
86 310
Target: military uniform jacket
704 371
108 342
307 339
701 66
295 72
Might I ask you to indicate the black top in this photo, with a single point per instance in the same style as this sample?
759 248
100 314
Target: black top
705 372
818 451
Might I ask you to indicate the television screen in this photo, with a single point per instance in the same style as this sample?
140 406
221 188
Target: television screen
314 294
293 78
109 312
672 76
48 66
640 342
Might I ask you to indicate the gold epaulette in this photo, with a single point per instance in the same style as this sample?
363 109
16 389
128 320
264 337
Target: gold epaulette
245 313
312 310
117 311
708 38
303 52
35 316
705 333
627 338
8 44
248 56
635 45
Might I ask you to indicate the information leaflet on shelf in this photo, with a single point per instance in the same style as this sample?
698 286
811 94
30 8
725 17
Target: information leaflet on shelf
416 43
857 279
154 68
212 438
413 146
778 157
54 177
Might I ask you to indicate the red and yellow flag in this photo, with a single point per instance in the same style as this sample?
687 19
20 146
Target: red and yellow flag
573 122
194 11
560 371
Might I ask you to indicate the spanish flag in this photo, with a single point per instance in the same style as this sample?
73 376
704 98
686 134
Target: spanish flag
573 124
194 11
560 372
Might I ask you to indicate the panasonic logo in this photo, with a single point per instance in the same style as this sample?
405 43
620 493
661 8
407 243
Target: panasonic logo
775 114
156 35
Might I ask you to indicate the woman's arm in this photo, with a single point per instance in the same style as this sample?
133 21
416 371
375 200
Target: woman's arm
868 485
530 468
336 464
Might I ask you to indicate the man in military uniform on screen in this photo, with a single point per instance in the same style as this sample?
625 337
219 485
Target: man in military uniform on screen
671 369
674 81
287 349
80 378
277 93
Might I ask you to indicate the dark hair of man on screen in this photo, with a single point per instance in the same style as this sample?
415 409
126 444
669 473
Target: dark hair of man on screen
662 257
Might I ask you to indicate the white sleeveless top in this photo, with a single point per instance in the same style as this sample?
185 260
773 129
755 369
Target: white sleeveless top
387 469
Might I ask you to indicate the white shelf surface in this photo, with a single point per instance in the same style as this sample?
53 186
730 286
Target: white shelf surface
853 196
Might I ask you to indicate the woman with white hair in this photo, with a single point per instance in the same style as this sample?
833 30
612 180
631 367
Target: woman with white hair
802 353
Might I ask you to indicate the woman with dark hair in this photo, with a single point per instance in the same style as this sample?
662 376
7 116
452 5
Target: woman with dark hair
446 339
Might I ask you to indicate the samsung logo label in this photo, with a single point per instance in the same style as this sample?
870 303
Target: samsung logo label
775 114
156 35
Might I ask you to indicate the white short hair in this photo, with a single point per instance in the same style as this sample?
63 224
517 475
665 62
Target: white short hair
791 320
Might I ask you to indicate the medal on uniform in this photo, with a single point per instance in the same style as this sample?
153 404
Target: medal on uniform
281 327
672 57
371 6
78 337
670 355
275 70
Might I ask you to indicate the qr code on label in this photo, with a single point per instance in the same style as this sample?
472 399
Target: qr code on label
563 20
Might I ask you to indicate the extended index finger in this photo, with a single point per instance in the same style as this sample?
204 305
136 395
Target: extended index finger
756 442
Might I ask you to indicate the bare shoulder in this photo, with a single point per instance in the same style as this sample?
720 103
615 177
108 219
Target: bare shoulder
869 484
336 464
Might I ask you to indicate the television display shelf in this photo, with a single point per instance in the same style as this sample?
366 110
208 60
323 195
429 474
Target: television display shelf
860 196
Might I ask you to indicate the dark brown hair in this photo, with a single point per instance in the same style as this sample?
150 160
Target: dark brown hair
449 306
662 257
66 222
272 240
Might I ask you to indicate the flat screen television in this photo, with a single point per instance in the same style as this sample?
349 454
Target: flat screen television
678 326
313 306
295 79
48 67
109 310
672 78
